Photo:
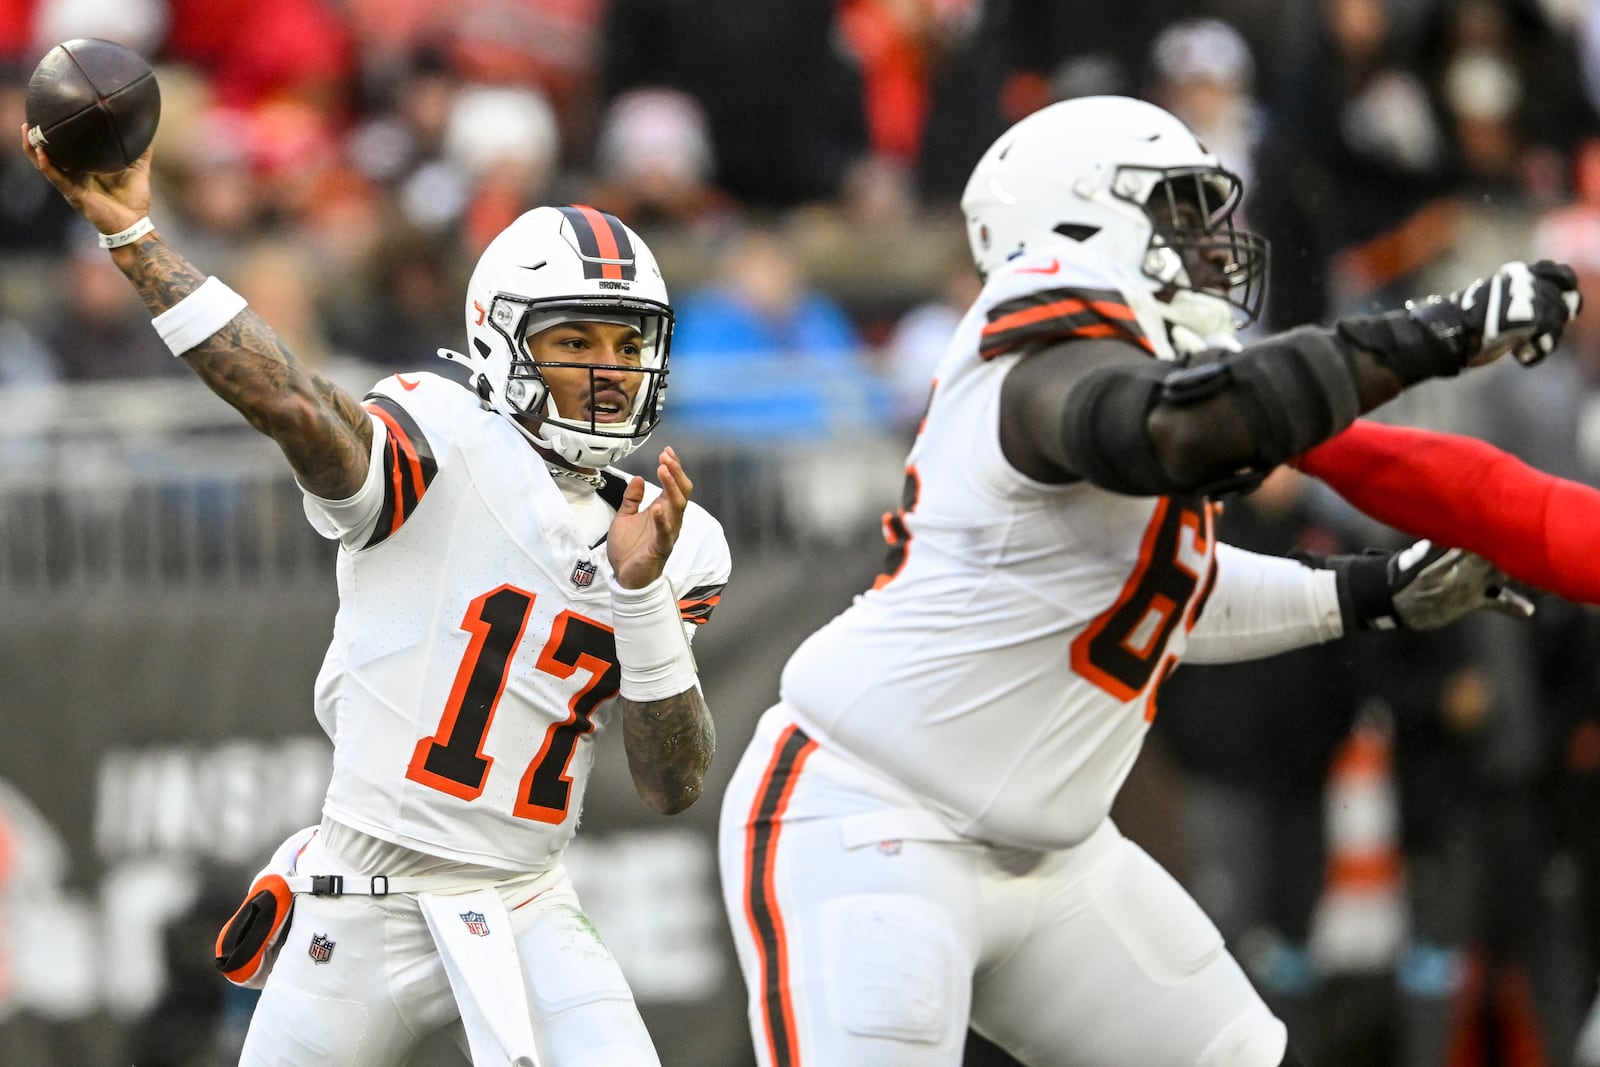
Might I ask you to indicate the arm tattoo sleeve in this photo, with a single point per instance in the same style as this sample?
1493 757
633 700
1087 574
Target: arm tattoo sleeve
669 743
322 430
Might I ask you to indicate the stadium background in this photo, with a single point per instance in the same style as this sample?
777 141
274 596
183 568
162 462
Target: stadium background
794 165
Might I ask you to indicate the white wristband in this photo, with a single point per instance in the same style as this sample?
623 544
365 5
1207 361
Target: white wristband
128 236
198 315
652 649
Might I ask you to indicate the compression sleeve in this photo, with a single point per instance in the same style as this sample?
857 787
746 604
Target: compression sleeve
1261 606
1459 491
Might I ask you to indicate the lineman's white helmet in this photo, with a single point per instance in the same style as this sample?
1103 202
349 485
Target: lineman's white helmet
1130 180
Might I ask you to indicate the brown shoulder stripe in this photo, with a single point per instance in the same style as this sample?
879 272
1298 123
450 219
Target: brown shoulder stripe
408 463
1060 315
697 604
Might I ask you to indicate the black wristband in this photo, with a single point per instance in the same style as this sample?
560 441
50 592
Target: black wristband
1429 340
1365 601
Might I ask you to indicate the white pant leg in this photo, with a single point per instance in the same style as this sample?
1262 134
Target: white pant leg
378 989
584 1011
1120 966
852 957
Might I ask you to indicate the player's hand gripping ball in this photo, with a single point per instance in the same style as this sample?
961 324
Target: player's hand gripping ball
93 106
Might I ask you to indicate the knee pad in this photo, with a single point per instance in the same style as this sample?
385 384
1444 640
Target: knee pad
1255 1038
893 968
567 965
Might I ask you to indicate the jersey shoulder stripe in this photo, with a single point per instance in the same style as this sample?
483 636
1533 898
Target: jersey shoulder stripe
408 463
1062 314
697 604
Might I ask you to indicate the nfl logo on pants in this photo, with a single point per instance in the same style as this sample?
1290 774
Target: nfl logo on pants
321 950
476 924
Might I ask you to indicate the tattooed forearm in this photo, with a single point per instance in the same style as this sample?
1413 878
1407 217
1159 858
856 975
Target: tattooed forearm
161 276
670 743
321 429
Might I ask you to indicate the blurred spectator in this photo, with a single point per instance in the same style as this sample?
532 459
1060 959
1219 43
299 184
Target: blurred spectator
880 102
1204 74
921 335
139 24
1513 82
654 166
1353 155
280 281
749 63
256 51
548 46
503 146
405 303
33 219
1060 54
408 113
98 328
759 354
24 361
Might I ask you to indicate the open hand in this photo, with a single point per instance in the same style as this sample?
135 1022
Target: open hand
640 541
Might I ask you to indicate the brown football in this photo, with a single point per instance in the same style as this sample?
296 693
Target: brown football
93 105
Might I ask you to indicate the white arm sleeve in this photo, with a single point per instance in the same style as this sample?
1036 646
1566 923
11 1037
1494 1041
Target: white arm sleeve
1263 605
350 520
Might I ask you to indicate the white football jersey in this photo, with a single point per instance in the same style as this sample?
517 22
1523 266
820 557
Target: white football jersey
472 662
1005 667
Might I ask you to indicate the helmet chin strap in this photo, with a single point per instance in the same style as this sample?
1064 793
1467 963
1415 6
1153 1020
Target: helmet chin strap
1199 322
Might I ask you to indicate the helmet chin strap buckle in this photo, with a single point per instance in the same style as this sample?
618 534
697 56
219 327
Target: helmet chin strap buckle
1165 266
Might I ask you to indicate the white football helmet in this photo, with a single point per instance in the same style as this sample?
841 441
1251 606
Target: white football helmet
1131 181
565 263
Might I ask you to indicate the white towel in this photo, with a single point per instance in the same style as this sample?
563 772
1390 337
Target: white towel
473 934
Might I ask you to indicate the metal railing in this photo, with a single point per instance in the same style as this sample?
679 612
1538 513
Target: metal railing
144 485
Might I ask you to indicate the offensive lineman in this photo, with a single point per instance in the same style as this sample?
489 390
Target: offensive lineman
917 838
500 583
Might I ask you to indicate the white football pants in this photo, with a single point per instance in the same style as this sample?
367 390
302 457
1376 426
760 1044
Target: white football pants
871 936
359 982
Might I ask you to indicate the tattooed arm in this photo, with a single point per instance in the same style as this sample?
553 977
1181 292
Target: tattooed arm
322 430
669 743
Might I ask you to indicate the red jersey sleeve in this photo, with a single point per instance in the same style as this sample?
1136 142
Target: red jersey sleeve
1459 491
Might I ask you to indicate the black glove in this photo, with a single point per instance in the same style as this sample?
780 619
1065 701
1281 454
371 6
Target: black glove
1518 309
1422 587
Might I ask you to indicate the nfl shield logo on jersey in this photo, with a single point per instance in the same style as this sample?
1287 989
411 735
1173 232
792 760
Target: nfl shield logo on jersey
583 574
476 923
321 948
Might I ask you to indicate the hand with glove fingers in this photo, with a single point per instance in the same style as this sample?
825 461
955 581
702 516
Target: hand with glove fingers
1518 309
1422 587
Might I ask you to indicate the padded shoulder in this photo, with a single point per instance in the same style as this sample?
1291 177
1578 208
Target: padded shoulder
1039 300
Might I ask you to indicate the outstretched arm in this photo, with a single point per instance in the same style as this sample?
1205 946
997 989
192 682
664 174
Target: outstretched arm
1457 490
323 431
1091 407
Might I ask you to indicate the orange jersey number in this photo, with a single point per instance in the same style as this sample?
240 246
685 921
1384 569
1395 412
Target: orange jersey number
1122 647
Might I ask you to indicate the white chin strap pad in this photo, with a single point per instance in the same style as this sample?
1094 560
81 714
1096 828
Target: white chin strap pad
1199 322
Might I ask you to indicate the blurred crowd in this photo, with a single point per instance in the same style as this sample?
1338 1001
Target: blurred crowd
795 167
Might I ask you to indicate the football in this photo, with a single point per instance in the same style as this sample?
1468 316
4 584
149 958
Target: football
92 105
